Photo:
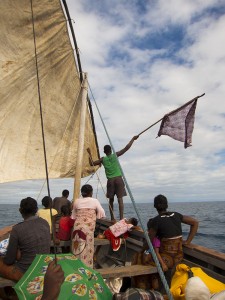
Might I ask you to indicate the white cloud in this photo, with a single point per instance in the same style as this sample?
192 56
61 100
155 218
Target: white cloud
135 83
135 90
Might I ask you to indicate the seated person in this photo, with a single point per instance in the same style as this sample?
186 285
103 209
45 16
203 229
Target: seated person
27 238
156 245
45 212
65 224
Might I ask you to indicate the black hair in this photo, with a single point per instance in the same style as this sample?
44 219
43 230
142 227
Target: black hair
65 210
28 206
133 221
107 149
46 201
86 190
160 203
65 193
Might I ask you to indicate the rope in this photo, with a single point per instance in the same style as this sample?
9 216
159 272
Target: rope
61 140
161 274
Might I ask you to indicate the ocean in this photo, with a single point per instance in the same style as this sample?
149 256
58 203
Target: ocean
211 232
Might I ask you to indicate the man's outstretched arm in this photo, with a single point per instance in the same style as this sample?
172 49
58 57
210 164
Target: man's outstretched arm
122 151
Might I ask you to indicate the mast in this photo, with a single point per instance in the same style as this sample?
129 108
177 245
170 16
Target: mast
79 164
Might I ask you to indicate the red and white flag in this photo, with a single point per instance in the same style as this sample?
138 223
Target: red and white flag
179 124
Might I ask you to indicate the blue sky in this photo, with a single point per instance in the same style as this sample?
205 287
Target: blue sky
144 59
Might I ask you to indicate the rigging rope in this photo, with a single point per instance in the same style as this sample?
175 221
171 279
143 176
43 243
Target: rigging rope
42 120
62 138
161 273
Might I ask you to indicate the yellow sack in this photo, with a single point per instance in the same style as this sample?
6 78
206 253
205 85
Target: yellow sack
180 278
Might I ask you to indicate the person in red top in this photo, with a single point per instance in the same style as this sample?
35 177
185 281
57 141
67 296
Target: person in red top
65 224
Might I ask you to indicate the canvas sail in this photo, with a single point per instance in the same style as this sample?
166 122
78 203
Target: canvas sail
21 143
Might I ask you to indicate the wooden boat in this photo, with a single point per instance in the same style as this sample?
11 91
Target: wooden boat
44 123
119 264
211 261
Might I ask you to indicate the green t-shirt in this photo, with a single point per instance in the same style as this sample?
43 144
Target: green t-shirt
112 168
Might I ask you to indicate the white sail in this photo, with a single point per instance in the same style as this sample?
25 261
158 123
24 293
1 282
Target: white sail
21 143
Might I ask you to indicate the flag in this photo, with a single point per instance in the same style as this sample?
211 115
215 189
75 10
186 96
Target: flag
179 124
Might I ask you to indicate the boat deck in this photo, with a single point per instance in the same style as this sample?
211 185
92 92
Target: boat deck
112 264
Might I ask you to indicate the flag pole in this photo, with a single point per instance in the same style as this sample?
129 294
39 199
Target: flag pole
171 112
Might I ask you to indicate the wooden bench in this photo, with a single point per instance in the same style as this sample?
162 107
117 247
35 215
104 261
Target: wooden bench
61 244
101 242
127 271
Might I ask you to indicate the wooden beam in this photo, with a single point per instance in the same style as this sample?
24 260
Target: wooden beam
127 271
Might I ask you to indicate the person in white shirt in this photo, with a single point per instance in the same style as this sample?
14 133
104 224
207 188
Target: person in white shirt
85 212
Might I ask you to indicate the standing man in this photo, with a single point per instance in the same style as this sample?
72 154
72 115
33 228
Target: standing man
58 202
115 183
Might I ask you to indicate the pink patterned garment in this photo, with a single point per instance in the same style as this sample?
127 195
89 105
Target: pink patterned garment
120 227
83 235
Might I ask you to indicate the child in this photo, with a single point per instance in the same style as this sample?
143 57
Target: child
115 231
156 246
65 224
44 213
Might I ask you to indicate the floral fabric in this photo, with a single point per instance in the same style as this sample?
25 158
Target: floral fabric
83 235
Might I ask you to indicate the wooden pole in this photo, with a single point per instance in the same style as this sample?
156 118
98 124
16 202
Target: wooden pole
79 164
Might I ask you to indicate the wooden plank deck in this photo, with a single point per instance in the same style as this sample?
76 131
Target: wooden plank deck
127 271
101 242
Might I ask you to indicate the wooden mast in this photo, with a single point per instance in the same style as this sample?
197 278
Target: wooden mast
79 164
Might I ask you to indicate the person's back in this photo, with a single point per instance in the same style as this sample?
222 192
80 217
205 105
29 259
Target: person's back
58 202
45 212
85 212
28 238
112 168
167 226
33 236
65 224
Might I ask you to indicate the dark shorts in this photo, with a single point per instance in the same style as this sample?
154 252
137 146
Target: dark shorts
115 186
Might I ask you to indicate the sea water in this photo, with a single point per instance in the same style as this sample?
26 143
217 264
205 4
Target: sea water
211 216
